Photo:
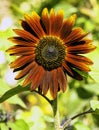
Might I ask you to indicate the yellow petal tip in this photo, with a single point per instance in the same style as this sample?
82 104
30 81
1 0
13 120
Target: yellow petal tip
73 17
61 11
52 11
45 10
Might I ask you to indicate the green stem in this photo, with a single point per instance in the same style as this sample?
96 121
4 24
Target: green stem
54 105
83 113
68 121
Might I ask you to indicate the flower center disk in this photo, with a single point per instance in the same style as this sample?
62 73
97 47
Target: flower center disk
50 52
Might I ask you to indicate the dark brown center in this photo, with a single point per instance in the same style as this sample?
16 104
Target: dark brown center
50 52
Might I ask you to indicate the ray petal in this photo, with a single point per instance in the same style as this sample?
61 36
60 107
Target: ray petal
23 43
34 23
58 22
77 64
67 68
81 42
25 34
51 85
21 61
25 71
45 20
31 75
67 27
52 21
18 50
74 74
62 79
37 79
45 82
75 33
26 27
55 83
81 49
81 59
71 72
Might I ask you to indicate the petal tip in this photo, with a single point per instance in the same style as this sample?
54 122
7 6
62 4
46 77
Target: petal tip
61 12
52 11
45 10
73 17
26 16
20 21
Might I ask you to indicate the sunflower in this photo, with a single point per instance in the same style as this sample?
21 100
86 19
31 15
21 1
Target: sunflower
47 49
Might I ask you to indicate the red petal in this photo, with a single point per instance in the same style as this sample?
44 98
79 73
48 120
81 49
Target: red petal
62 79
67 27
45 20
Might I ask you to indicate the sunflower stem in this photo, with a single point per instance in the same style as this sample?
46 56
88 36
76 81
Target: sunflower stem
54 105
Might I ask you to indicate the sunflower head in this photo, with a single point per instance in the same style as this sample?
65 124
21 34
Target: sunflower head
47 49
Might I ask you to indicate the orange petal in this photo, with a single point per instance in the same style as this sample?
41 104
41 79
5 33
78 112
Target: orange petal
62 79
25 71
25 34
74 74
21 61
31 75
34 23
45 20
77 64
54 88
37 79
26 27
36 17
45 82
71 72
52 21
51 85
22 53
80 59
75 34
81 49
58 22
22 42
67 68
67 27
17 50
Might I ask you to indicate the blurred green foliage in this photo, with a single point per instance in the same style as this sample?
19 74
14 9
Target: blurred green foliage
30 111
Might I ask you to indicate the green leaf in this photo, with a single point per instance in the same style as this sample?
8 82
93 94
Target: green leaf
80 126
13 92
96 112
83 93
92 87
12 100
94 104
82 73
3 126
89 25
95 75
19 125
16 100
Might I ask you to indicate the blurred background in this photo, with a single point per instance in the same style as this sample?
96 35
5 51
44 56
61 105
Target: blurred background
29 111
